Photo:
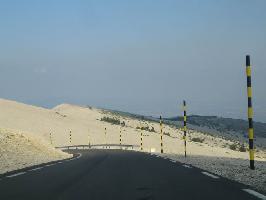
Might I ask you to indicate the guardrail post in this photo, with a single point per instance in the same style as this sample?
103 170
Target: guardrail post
250 114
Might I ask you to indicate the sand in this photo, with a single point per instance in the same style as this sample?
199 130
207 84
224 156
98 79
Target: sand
20 150
86 127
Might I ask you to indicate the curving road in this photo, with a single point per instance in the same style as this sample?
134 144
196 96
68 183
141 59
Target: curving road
115 174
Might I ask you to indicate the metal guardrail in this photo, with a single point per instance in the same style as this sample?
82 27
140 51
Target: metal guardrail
97 145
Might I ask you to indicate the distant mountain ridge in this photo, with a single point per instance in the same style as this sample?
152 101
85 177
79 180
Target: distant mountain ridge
220 124
223 124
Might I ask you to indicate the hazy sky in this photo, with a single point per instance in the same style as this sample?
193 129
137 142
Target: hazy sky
142 56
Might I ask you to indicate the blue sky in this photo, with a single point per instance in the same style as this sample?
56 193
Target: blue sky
142 56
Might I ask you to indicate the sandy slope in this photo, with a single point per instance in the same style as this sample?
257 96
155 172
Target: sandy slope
86 127
19 150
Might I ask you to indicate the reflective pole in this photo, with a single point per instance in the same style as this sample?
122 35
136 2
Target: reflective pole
70 138
250 114
120 138
141 139
105 136
161 128
89 143
51 140
185 128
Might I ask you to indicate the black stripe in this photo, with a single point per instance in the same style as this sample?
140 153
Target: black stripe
251 144
185 113
185 123
250 123
184 103
247 60
248 81
249 102
252 164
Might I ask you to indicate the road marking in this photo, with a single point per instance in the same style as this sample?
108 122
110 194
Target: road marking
17 174
187 166
210 175
49 165
59 162
173 161
254 193
35 169
76 157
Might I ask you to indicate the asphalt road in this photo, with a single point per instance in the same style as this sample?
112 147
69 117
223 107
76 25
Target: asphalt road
115 174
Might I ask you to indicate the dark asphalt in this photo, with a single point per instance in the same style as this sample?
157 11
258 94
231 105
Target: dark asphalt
118 175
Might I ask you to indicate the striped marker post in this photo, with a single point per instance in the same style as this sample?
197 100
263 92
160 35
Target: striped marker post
51 140
89 143
250 114
105 135
70 138
120 137
141 139
185 128
161 128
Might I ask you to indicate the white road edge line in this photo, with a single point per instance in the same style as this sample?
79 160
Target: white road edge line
173 161
210 175
187 166
49 165
254 193
17 174
35 169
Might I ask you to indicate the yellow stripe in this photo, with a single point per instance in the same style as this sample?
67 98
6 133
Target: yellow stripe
185 118
250 112
249 92
184 107
248 71
251 154
185 128
184 138
250 133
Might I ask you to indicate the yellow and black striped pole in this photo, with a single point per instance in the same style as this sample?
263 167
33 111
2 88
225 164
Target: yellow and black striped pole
161 128
105 133
250 114
70 138
185 127
120 137
89 143
51 141
141 139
